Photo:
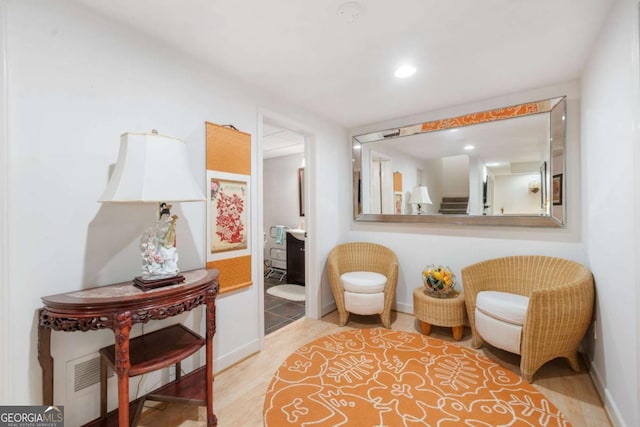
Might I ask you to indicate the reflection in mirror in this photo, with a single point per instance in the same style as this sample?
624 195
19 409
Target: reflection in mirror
301 191
494 167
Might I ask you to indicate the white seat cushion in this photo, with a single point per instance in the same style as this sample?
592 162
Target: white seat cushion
500 334
359 303
363 282
503 306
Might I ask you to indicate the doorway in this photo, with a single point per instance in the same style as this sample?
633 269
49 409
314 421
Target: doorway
284 224
381 184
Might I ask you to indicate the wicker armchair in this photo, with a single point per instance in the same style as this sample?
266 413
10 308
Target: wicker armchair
560 308
362 256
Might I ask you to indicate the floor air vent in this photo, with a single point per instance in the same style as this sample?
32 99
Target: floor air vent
86 372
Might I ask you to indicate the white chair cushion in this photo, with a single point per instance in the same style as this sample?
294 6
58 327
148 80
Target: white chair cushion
363 282
503 306
359 303
500 334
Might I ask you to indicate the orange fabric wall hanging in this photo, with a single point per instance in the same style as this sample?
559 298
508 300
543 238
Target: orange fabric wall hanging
228 154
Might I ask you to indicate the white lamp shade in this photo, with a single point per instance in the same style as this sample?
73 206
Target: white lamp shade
420 195
151 168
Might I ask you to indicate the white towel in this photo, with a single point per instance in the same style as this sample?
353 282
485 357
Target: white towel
280 234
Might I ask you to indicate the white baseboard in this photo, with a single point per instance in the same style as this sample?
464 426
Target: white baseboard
237 355
326 309
403 308
609 404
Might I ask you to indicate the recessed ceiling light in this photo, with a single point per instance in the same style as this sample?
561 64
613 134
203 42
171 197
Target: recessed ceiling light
469 147
493 164
405 71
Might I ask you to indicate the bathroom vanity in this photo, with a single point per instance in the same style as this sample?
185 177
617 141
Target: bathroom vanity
295 256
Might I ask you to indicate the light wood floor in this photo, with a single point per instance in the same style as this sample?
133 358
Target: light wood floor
239 391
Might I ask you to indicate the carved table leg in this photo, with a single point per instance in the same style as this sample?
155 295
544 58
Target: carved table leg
103 387
210 300
46 361
122 329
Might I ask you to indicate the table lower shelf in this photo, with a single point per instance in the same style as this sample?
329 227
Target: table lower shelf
191 388
149 352
157 349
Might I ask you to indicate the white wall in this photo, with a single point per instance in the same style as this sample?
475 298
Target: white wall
511 193
5 386
476 181
433 177
455 176
280 197
76 81
611 172
457 246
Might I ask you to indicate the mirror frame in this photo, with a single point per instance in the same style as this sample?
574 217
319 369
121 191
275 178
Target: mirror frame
498 114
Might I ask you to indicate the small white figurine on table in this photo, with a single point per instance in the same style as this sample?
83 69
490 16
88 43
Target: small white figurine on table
158 247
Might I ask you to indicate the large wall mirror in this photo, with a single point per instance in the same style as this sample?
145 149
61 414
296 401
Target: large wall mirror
499 167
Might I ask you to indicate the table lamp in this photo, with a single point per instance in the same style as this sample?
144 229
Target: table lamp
419 197
153 168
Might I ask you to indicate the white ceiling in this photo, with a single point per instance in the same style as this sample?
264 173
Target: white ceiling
302 50
278 141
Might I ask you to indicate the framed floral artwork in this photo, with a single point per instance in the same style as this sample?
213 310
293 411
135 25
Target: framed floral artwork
397 203
228 212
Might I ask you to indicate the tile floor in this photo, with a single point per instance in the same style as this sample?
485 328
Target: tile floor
279 312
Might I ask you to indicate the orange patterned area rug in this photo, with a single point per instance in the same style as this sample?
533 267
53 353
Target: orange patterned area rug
380 377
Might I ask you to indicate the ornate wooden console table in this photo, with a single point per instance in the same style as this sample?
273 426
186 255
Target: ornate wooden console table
119 307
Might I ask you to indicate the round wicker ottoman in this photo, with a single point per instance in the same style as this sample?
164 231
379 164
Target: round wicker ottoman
448 312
